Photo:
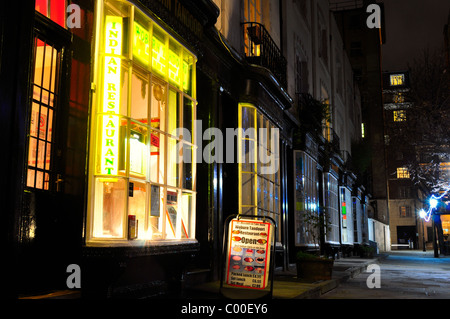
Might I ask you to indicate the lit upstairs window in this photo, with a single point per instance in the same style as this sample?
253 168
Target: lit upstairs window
397 79
400 116
55 10
402 172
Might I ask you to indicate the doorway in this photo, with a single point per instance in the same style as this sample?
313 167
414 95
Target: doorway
46 223
406 237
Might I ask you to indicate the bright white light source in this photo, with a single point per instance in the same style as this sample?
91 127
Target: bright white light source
422 213
433 202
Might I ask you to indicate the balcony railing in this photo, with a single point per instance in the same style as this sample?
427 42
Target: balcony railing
331 136
260 49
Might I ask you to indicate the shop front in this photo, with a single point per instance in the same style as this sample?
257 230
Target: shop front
141 204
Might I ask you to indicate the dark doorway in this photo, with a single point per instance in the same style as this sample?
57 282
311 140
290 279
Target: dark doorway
47 236
406 237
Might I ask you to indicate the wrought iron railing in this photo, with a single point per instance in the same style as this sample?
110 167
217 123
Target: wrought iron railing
260 49
331 137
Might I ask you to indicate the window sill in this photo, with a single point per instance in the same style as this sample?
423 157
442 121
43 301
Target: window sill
138 248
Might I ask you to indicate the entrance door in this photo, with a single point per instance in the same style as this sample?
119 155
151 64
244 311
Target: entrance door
44 245
406 235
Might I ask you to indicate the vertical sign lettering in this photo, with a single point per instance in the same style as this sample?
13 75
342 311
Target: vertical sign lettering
111 95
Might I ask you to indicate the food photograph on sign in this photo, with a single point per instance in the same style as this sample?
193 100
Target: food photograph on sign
248 254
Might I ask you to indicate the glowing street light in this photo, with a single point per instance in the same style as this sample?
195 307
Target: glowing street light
422 213
433 202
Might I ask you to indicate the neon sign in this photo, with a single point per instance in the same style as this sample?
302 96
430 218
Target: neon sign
174 67
159 56
111 96
141 47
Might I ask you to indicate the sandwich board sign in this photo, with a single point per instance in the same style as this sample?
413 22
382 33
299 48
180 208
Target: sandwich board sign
248 256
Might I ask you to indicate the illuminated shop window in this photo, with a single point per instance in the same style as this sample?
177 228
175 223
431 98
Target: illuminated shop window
53 9
259 192
405 211
142 189
307 199
402 172
397 79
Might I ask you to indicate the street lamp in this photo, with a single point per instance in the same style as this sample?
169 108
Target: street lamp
422 215
433 202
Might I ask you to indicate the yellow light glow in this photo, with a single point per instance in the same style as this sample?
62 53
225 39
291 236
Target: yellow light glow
397 79
141 47
186 75
174 67
111 96
159 62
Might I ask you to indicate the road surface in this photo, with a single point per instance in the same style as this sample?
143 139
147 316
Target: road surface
401 275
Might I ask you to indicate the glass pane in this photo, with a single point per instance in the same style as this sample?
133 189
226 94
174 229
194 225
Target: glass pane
139 97
156 207
260 192
187 202
248 189
157 157
141 42
110 200
188 119
124 91
270 197
172 162
137 201
158 106
174 64
138 149
188 66
159 53
248 117
188 158
248 158
173 114
172 217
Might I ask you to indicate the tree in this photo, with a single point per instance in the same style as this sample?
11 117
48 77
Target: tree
426 127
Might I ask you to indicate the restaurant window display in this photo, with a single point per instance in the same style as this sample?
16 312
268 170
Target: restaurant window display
145 89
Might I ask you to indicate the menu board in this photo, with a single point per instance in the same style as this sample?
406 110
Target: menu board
248 258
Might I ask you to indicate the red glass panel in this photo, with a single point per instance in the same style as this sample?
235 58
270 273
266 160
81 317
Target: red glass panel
41 6
58 12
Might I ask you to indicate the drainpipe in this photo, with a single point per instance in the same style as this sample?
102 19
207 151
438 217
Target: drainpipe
280 12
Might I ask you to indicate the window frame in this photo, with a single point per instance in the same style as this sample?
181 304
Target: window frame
184 91
258 202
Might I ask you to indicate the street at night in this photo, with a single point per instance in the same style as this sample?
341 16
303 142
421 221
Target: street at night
407 274
226 149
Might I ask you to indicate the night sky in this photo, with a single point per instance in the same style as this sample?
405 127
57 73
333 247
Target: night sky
412 26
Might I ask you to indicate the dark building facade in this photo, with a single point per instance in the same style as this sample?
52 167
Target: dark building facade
363 46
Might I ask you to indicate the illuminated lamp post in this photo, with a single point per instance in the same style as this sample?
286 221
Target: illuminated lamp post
433 202
422 215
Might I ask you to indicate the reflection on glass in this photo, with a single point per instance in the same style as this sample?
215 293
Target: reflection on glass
109 208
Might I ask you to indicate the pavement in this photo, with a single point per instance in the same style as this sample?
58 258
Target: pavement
286 285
